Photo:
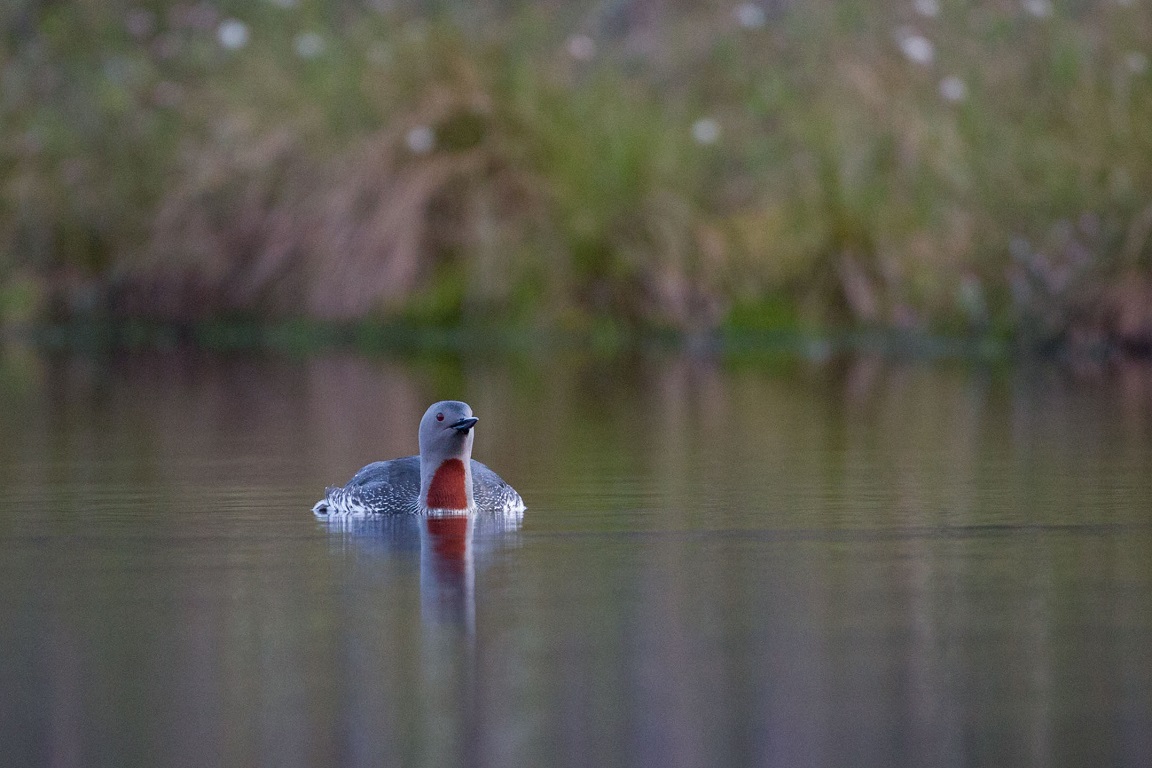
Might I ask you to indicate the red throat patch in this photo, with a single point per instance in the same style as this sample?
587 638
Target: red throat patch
447 488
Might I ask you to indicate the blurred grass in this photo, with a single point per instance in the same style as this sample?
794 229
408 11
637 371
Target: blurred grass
930 167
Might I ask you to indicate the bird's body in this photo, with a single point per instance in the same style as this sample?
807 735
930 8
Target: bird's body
442 479
393 487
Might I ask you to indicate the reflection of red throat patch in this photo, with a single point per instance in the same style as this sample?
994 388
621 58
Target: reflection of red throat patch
447 489
449 537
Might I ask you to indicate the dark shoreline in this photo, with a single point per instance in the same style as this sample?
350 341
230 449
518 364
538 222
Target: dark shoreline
306 338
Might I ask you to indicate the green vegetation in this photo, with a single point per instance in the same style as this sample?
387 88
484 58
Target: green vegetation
932 167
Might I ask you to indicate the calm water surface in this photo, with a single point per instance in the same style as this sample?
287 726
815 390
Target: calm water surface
859 563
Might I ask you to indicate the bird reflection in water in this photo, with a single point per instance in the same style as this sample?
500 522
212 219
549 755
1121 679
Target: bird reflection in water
448 570
431 663
451 549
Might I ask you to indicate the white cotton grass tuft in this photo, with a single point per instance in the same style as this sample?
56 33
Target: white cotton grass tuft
750 16
581 47
1041 9
232 34
706 131
420 140
917 48
953 89
308 45
929 8
1136 62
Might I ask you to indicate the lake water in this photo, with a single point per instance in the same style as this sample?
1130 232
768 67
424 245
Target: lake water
863 562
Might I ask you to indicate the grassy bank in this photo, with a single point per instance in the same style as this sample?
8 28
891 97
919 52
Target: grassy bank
930 167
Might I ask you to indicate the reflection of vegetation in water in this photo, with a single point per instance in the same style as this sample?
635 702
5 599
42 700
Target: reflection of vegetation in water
713 556
916 166
21 371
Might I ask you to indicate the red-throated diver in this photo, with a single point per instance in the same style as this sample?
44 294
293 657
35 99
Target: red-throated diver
442 479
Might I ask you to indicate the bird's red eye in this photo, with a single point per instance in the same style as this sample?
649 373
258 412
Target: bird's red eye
439 417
